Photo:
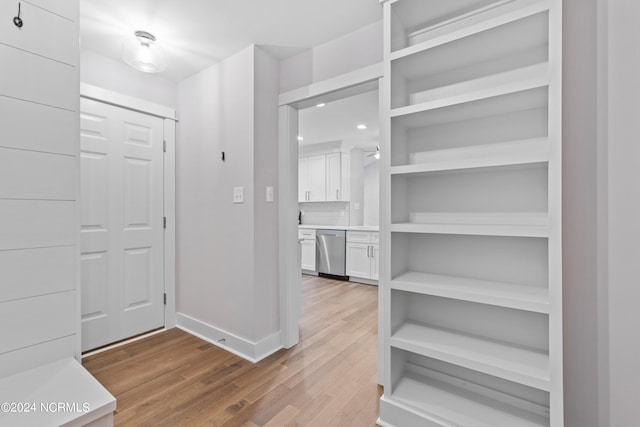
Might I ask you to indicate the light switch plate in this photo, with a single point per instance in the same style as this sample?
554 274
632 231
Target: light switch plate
269 193
238 194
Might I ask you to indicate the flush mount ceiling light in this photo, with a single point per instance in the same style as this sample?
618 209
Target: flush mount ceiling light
141 53
300 138
320 105
362 126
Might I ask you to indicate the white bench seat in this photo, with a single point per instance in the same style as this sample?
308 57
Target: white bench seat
61 393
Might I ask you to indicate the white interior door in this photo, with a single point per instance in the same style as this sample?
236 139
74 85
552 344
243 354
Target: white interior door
122 241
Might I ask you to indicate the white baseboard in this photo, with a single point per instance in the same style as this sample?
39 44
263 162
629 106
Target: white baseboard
253 352
363 281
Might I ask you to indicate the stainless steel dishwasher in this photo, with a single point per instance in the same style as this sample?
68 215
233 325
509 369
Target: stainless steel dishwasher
330 253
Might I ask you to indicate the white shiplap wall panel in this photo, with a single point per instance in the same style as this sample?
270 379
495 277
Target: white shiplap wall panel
39 184
38 79
37 320
33 175
65 8
36 355
55 131
56 45
31 272
36 224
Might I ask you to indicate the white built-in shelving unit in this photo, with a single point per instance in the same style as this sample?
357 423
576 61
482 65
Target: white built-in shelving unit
471 269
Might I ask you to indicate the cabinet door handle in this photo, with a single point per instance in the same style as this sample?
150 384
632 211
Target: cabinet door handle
368 251
337 194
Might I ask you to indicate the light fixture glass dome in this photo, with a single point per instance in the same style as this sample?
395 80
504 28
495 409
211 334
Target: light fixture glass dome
141 53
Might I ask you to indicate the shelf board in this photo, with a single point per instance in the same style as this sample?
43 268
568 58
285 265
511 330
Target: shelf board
512 363
456 406
494 15
518 80
507 103
478 156
529 298
530 224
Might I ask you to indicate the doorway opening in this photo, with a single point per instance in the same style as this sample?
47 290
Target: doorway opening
353 84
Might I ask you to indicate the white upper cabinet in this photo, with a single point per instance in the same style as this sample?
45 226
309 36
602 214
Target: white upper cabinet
338 177
312 185
324 178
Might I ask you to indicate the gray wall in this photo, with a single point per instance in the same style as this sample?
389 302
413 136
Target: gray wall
117 76
227 253
355 50
265 161
623 160
580 213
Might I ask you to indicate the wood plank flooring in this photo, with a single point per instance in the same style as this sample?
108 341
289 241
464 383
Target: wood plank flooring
328 379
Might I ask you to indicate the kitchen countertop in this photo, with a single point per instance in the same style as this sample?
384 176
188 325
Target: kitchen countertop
341 227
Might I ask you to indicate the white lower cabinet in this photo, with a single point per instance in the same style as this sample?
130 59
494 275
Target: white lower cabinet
358 260
307 249
362 254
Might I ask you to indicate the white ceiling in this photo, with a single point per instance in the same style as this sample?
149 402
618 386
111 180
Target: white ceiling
338 121
195 34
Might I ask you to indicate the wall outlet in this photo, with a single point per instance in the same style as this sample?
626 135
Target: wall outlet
238 194
269 194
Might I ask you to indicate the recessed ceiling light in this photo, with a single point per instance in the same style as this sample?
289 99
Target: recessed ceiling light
320 105
362 126
300 138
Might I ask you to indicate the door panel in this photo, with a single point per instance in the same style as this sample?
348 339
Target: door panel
358 260
137 269
122 236
333 176
317 179
308 258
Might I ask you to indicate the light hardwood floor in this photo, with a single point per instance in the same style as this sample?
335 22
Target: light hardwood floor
329 379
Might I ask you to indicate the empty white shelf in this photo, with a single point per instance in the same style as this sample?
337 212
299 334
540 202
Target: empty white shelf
507 103
530 224
455 406
494 15
508 295
478 156
484 87
512 363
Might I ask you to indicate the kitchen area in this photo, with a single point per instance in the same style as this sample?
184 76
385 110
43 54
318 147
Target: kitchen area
338 188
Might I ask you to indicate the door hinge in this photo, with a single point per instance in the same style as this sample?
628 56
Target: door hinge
164 222
164 145
165 299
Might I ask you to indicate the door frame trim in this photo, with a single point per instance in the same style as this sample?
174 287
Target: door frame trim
288 247
169 175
